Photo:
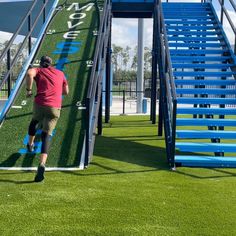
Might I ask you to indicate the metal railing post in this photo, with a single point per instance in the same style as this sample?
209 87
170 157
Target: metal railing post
222 12
30 37
235 44
154 64
9 76
123 112
100 116
108 78
87 132
44 11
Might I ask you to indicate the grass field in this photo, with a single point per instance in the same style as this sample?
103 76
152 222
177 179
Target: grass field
127 190
70 55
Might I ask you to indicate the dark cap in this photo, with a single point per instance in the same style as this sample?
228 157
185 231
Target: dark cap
45 61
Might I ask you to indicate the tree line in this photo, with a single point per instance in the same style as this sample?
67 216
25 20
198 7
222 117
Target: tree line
125 63
18 66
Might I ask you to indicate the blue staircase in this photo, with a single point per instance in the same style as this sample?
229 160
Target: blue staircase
202 63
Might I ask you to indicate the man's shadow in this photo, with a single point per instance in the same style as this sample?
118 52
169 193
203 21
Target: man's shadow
17 181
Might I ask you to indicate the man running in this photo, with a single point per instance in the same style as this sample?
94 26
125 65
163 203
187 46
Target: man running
51 85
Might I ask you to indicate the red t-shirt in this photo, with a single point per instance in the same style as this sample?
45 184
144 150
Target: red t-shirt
50 83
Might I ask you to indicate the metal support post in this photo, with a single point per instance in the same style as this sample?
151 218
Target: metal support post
100 117
44 12
30 38
123 112
154 69
222 12
160 71
87 131
9 77
108 79
140 72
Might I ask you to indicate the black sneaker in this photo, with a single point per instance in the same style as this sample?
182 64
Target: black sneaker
40 174
30 148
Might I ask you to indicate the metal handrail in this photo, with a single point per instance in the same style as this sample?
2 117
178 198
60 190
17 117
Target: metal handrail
97 51
7 49
224 11
13 62
4 53
12 92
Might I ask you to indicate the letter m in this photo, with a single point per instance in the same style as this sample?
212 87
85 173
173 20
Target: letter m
87 7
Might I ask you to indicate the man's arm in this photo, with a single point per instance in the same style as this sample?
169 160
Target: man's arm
65 90
31 73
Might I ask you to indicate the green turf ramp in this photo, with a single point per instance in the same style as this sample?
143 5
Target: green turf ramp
70 41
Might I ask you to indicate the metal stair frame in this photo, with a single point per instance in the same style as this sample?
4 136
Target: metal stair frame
168 100
94 94
167 110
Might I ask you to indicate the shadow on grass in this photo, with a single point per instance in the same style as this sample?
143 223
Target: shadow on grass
27 160
218 173
11 161
131 152
17 116
126 151
16 181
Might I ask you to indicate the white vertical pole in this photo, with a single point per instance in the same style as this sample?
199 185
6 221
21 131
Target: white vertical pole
140 72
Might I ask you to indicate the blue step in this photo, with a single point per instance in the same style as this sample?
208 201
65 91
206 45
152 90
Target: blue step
203 74
206 101
194 39
205 161
197 51
206 91
196 45
206 111
205 122
189 22
199 58
205 82
206 134
185 9
202 65
192 27
205 147
191 34
189 16
185 4
188 11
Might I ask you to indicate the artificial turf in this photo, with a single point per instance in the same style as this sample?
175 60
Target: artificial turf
128 189
67 142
